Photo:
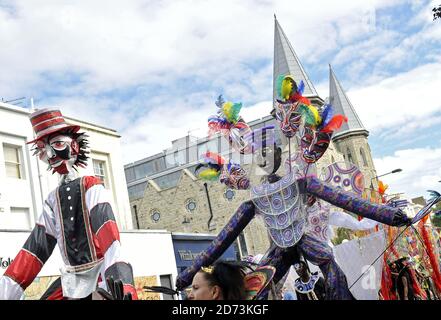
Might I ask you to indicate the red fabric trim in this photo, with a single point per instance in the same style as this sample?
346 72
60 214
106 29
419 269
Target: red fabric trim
90 181
63 128
128 288
56 295
47 124
106 235
24 268
45 116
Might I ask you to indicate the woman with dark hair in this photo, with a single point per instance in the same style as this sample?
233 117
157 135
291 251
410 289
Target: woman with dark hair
402 280
222 281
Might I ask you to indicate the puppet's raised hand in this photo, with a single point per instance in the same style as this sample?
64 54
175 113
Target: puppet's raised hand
116 290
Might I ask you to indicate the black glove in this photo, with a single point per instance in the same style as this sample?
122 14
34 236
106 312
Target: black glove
116 290
401 219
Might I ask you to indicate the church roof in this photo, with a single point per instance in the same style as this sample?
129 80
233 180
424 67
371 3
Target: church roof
342 105
287 62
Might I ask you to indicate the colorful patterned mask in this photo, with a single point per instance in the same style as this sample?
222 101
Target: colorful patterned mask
234 177
58 143
230 124
314 144
288 117
61 152
319 127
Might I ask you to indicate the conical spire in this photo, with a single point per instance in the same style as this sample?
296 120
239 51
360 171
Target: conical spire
342 105
286 62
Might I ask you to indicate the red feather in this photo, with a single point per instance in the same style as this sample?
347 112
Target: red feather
214 156
436 275
335 123
298 97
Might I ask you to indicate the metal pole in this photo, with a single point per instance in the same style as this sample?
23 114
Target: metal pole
209 205
136 216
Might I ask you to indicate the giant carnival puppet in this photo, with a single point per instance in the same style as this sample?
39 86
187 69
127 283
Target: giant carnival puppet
77 216
287 201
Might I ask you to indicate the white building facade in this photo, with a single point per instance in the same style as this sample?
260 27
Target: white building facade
25 181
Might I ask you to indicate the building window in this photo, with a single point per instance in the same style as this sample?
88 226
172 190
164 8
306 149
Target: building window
166 282
349 156
363 157
241 247
190 205
155 215
229 194
99 169
137 191
13 163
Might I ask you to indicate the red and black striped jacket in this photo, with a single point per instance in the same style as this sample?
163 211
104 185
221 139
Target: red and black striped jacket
77 216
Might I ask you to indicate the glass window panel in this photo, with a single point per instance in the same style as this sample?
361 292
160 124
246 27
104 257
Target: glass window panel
130 174
144 169
202 148
224 145
12 161
11 154
212 145
137 191
181 157
243 245
168 181
160 164
12 170
99 169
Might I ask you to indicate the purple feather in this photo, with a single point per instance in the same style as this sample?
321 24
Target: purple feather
301 87
327 114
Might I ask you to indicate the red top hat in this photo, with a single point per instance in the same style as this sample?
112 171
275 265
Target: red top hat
48 121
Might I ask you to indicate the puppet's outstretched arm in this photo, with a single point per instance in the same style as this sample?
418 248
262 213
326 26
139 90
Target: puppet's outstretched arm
224 239
348 201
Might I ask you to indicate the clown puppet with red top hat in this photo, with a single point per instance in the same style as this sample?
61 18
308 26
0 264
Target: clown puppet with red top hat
77 216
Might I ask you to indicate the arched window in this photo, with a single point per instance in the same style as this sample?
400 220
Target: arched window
363 157
348 152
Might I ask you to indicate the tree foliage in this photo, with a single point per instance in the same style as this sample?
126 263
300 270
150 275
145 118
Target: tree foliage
436 219
342 234
437 12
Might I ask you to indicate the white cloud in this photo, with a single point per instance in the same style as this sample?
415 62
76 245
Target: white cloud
421 171
222 46
112 45
405 99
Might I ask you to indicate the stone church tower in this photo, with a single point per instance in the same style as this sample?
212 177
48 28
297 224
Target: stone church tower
287 62
352 138
350 141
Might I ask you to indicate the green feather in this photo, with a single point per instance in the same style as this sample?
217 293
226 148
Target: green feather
279 85
307 114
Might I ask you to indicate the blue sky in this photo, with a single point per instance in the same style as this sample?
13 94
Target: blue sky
152 69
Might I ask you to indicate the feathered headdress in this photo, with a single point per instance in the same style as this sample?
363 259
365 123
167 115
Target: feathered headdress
324 120
210 166
226 117
214 167
229 123
289 91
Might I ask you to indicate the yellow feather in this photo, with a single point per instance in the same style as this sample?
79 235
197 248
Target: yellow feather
286 88
316 114
209 174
